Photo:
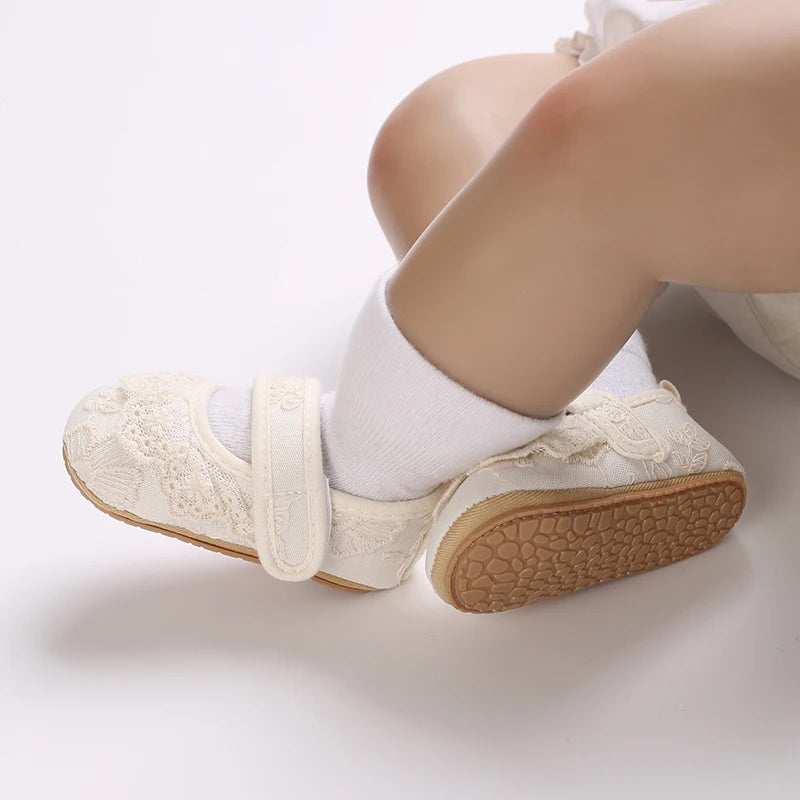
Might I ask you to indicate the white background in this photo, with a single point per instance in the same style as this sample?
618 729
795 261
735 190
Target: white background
181 184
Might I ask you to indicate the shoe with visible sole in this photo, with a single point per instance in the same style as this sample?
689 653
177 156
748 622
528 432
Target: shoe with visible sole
620 487
143 452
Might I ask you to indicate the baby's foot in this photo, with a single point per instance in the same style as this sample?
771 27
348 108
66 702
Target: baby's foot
396 427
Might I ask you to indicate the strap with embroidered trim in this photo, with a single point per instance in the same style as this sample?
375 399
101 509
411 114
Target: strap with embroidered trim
291 495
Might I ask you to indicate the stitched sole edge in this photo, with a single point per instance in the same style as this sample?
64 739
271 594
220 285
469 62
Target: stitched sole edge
214 545
524 546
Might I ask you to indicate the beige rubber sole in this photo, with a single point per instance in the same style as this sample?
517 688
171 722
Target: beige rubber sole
226 548
525 546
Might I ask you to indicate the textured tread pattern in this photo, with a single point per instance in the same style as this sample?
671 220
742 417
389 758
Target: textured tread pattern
531 555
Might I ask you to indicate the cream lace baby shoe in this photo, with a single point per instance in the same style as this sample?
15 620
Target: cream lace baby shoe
621 486
143 451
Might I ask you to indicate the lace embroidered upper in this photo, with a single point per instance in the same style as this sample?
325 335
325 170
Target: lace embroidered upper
153 435
143 429
598 423
137 447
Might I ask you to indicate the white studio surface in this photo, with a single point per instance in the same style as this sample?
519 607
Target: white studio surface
177 181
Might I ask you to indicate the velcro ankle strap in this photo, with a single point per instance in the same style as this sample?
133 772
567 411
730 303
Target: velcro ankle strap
291 496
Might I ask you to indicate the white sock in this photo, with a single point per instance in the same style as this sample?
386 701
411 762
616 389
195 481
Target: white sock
396 426
629 372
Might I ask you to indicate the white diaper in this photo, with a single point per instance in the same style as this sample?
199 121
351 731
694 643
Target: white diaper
613 21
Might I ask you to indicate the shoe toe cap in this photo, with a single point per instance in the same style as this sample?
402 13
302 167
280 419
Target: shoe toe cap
95 458
81 412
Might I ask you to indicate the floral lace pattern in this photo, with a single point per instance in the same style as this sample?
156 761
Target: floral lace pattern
688 456
602 422
357 535
138 437
153 434
113 475
280 507
285 394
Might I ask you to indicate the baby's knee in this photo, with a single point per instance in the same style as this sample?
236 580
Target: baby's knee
586 109
415 134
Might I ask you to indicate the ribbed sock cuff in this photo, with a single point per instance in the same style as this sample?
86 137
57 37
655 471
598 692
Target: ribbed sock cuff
397 419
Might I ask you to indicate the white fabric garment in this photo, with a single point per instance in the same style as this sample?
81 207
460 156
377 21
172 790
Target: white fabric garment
769 324
613 21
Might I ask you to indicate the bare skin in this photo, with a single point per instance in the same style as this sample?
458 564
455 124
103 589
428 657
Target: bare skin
671 158
445 131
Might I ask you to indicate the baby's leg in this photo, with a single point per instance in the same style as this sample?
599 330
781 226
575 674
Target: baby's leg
673 157
445 131
395 427
537 272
